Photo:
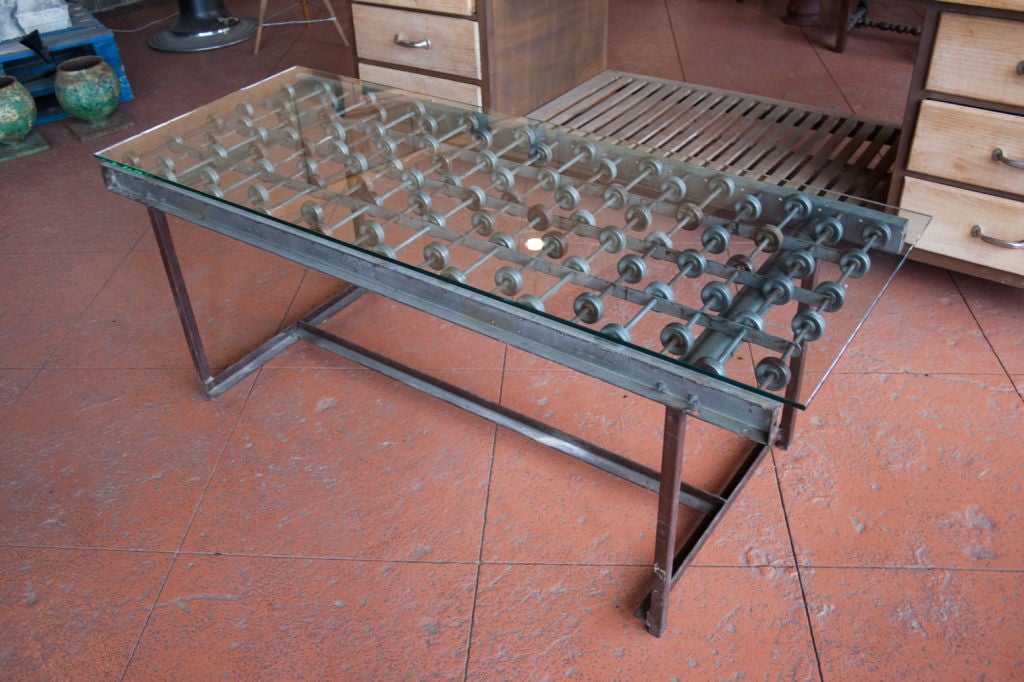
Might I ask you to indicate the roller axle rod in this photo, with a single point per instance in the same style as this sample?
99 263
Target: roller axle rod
612 240
656 291
469 191
713 348
690 216
809 324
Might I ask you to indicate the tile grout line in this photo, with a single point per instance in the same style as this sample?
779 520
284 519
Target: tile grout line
796 565
981 329
282 324
816 48
675 40
45 364
699 566
483 524
177 553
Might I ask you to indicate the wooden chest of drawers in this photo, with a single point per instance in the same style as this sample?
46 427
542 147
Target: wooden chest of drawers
962 154
507 55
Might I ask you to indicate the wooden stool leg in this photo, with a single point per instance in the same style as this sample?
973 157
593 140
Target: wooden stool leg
305 13
843 29
337 24
259 26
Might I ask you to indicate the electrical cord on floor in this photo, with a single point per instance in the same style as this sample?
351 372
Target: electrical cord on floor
297 21
175 14
143 28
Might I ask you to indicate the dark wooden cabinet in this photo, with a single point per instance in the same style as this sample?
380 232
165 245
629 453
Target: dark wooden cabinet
509 56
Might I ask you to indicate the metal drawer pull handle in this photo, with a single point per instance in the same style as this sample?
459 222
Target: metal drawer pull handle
1020 68
415 44
999 156
1004 243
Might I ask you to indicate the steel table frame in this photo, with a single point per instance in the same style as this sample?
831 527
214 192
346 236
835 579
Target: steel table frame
684 392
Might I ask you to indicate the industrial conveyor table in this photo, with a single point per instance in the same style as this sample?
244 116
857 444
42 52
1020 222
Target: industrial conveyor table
688 286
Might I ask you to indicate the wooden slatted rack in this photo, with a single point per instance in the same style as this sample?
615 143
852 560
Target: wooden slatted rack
773 141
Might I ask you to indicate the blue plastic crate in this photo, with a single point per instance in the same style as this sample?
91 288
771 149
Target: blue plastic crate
85 36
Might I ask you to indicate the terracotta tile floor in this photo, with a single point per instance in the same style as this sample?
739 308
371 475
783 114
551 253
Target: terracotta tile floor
321 522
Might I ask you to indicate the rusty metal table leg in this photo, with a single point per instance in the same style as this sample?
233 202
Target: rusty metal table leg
215 384
668 519
672 554
169 255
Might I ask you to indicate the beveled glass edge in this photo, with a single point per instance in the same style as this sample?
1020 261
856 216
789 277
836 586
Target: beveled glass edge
915 222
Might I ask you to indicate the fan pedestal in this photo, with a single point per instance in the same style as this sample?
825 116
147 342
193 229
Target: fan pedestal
203 25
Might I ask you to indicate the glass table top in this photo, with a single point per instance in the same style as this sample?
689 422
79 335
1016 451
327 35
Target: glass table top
705 270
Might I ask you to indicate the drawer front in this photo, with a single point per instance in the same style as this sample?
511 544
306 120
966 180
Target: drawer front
446 44
1015 5
466 8
977 57
956 142
441 88
955 212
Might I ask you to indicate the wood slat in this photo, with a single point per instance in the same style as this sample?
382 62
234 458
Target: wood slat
773 141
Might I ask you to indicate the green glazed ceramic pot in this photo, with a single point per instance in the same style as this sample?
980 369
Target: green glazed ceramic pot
87 88
17 111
